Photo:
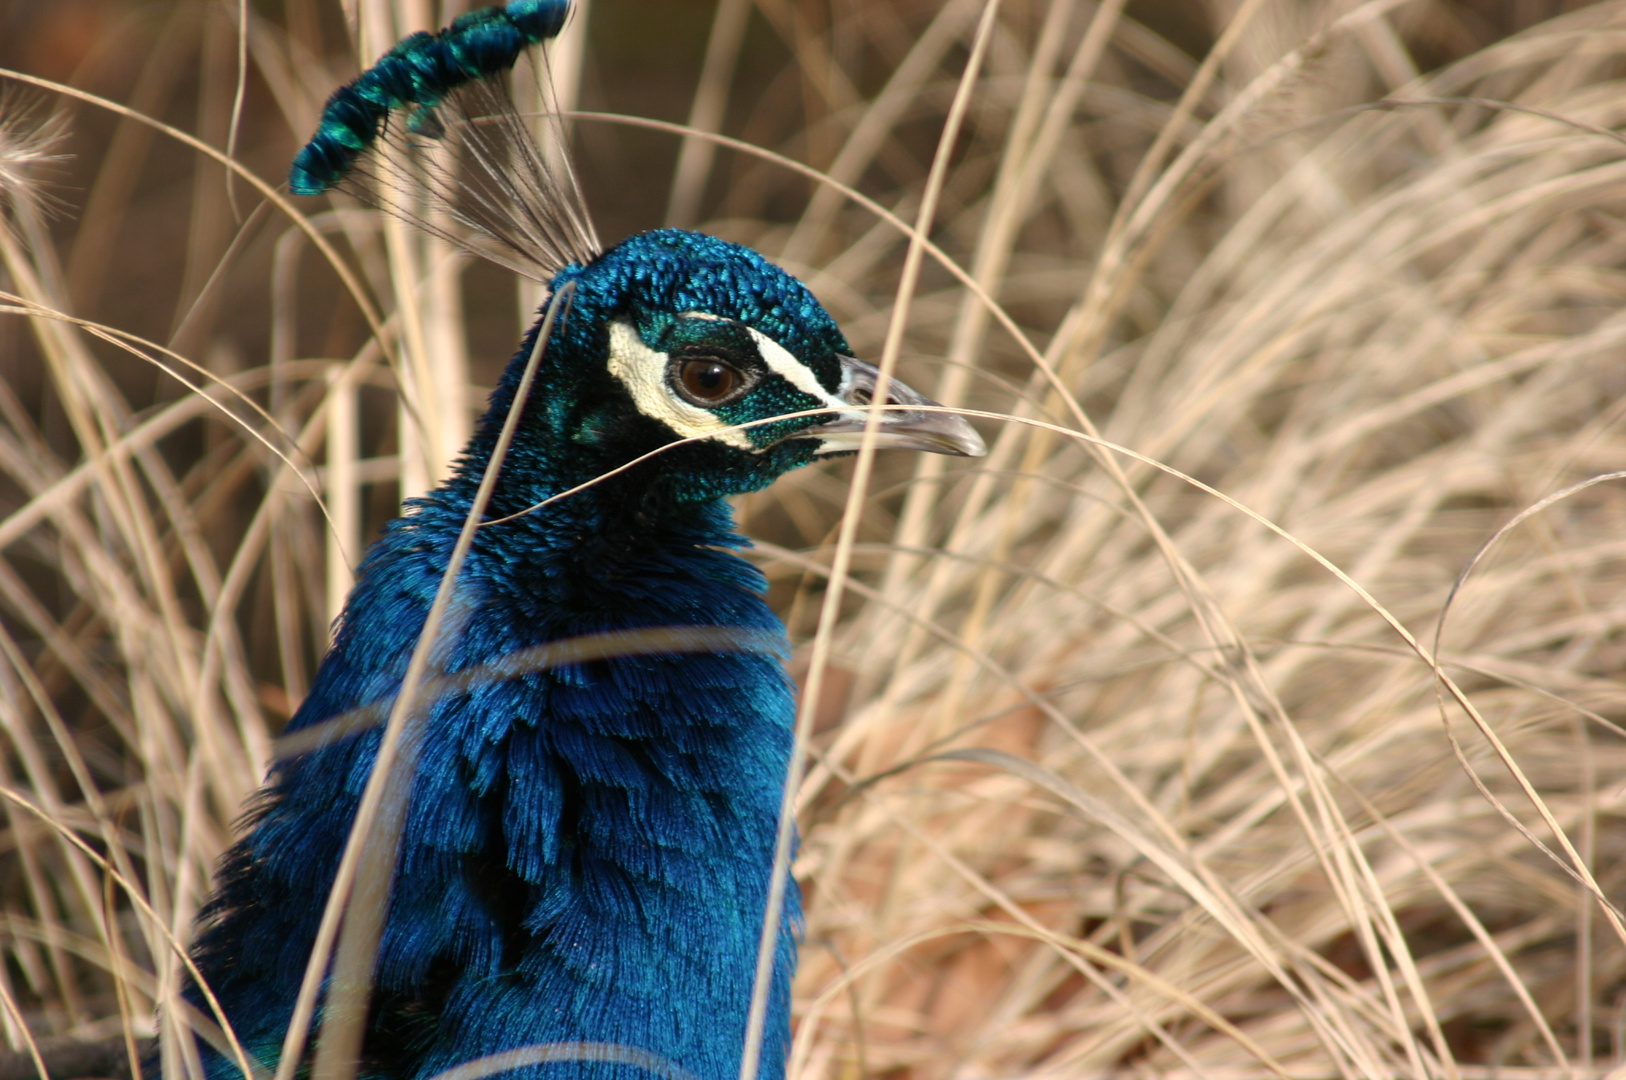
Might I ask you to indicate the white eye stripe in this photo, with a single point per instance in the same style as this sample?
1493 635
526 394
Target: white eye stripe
642 371
781 361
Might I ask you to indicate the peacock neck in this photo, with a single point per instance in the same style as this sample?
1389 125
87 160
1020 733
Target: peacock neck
588 844
589 840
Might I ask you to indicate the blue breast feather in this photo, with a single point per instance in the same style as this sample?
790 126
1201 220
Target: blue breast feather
587 850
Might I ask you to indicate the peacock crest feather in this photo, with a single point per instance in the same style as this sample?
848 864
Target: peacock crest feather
433 125
418 74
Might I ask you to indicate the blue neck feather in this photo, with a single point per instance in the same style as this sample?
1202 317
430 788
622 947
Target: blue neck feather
588 847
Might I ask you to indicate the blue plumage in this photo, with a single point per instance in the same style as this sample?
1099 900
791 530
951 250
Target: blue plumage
588 845
594 837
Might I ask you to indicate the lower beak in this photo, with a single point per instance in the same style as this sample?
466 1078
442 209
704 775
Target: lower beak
902 426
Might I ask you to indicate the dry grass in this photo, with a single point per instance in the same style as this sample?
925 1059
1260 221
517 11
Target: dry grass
1155 743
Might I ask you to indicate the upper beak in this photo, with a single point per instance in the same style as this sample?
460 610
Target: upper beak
905 428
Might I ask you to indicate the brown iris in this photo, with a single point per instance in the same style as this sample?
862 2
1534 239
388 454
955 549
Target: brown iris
707 380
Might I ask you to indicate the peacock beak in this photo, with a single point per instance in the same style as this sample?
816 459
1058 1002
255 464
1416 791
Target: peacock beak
906 428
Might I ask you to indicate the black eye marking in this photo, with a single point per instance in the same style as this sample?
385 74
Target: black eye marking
707 380
709 374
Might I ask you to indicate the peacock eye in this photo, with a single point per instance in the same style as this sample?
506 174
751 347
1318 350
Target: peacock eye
706 380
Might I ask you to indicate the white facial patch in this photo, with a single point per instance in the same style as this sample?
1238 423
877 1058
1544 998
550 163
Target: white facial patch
642 371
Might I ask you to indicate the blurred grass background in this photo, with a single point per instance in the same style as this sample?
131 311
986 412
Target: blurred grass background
1109 777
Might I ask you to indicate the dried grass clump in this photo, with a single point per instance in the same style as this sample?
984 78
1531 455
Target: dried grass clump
1253 709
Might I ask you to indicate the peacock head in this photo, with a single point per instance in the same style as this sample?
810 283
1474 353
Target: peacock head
668 336
674 335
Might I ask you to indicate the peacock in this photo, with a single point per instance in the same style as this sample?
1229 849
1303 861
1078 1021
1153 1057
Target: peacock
587 843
